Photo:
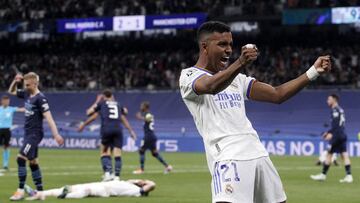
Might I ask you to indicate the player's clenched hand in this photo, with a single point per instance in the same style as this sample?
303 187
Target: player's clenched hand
327 136
59 139
133 135
323 64
249 53
18 77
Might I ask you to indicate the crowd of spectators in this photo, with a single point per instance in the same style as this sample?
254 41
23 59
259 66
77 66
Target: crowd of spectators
42 9
320 3
23 10
147 64
15 10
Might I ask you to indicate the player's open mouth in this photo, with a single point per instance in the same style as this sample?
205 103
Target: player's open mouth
224 60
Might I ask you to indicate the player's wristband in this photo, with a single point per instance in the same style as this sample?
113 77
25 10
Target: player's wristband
312 73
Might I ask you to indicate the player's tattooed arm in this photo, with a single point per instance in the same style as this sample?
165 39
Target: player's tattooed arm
87 122
59 139
264 92
13 86
128 126
216 83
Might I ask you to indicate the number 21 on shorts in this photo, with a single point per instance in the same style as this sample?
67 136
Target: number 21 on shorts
224 173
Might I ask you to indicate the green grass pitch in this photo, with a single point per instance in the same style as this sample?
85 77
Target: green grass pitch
190 181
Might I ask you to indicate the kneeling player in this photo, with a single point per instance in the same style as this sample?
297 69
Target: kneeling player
115 188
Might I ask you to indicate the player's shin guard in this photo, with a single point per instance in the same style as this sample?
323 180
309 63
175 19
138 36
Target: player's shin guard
36 175
106 164
6 156
158 157
348 169
21 172
325 169
142 159
118 164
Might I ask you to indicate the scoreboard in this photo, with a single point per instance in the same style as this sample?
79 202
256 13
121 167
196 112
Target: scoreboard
344 15
132 23
319 16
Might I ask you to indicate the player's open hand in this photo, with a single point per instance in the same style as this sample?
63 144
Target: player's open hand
18 77
323 64
249 54
59 139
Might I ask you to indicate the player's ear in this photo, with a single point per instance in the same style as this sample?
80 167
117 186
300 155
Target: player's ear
204 46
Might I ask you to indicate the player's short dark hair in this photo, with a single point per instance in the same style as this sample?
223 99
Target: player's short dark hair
5 97
146 104
211 27
107 93
335 96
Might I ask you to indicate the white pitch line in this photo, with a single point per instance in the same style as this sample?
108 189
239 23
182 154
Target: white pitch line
98 173
99 167
196 169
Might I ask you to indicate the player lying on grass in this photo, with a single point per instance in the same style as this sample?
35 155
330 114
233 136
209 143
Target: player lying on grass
115 188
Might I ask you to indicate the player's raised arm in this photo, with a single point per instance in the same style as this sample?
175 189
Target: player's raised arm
265 92
128 126
13 86
216 83
139 116
92 108
88 121
53 127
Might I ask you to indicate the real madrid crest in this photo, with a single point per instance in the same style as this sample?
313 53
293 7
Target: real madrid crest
229 189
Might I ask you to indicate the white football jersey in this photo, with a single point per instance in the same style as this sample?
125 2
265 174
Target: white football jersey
95 189
122 188
221 119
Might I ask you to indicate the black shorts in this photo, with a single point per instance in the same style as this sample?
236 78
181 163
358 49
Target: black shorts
113 138
338 146
30 146
148 144
5 135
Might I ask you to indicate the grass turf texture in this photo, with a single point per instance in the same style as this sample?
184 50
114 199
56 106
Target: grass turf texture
190 181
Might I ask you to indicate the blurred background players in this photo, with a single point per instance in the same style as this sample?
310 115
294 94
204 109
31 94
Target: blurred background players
150 139
6 120
36 108
323 156
337 138
112 115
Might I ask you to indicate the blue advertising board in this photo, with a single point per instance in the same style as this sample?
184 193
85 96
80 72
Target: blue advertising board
275 145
